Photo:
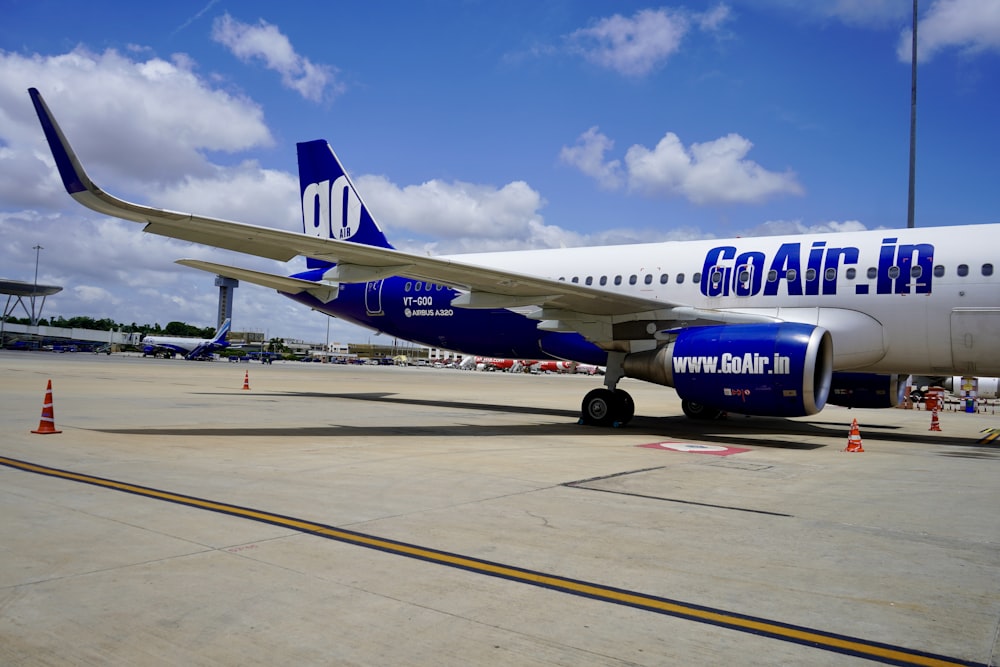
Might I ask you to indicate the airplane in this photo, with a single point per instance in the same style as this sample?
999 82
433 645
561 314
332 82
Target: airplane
556 366
497 364
982 387
774 326
190 348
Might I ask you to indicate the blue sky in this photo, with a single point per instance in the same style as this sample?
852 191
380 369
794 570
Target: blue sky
481 126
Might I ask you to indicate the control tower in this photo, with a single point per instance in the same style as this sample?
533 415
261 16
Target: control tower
226 287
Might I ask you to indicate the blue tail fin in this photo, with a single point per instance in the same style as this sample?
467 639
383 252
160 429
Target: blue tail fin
220 335
331 206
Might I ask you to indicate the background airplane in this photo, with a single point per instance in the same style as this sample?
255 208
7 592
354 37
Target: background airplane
775 326
189 348
983 387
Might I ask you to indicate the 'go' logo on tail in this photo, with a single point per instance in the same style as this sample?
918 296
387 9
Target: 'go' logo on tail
331 211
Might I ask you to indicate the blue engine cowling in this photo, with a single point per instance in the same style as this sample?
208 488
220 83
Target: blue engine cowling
782 369
866 390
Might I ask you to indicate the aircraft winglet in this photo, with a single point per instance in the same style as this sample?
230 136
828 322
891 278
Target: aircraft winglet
74 178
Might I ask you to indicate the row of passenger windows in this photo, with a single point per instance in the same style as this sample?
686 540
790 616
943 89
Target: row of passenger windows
916 271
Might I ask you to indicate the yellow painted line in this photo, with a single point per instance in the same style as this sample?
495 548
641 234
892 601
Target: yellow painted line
819 639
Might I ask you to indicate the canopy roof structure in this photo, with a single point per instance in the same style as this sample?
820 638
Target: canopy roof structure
17 290
20 288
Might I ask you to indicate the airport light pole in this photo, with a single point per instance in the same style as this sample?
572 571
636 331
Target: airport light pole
34 290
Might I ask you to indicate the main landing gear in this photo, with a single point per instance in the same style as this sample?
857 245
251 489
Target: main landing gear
608 406
699 410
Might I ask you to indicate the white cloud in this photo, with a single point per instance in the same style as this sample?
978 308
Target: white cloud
714 18
971 26
145 108
785 227
873 14
588 156
638 45
265 42
707 173
91 294
474 216
246 192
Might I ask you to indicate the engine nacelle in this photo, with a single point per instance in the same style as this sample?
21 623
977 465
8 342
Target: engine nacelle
867 390
781 369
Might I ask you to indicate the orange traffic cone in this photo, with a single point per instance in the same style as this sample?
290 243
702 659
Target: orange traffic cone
246 380
47 424
935 424
854 439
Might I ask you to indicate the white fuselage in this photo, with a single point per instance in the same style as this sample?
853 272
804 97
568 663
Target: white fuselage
895 301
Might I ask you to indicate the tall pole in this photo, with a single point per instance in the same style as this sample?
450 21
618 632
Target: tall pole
34 291
913 120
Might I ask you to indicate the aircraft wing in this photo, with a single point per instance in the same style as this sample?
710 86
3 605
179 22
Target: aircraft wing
484 287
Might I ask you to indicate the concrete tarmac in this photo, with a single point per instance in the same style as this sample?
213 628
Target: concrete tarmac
356 515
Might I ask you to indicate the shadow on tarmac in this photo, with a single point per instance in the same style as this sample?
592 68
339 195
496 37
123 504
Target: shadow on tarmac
734 430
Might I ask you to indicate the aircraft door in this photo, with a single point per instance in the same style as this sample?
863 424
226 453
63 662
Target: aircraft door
975 340
373 297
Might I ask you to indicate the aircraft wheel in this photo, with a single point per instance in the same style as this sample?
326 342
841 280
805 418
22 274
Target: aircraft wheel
598 407
603 407
699 411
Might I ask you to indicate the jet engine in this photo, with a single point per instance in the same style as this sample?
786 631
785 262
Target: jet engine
776 369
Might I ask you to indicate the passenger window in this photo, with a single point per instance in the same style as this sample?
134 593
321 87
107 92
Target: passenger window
648 279
850 273
987 269
872 273
632 279
938 271
831 274
589 280
772 276
664 278
893 272
791 275
916 271
576 279
810 275
618 280
744 276
418 286
604 280
406 288
680 278
963 270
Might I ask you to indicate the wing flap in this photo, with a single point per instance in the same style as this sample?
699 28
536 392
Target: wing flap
322 291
